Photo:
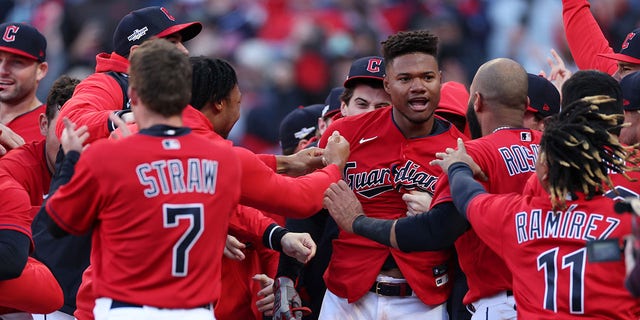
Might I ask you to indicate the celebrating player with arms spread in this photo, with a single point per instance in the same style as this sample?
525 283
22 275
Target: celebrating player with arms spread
564 250
390 152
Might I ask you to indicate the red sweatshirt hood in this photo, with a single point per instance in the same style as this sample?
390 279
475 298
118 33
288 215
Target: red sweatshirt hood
111 62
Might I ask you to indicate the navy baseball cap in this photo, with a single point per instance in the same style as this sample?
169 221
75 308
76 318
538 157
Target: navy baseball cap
299 124
23 40
629 51
544 98
142 24
332 102
631 92
371 67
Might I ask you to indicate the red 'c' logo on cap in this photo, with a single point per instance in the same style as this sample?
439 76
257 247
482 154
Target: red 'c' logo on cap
166 13
374 65
10 33
630 36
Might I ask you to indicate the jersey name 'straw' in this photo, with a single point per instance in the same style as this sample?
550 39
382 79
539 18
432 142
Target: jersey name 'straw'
168 176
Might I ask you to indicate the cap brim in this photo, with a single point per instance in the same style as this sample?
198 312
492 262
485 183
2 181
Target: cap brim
331 113
532 109
18 52
188 31
350 81
620 57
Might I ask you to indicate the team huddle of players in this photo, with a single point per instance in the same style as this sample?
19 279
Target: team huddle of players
401 197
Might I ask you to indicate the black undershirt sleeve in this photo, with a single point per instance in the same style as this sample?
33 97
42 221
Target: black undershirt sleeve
436 229
463 187
65 167
14 251
378 230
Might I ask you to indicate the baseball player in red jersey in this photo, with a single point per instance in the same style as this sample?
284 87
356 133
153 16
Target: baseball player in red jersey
589 47
591 50
307 190
506 153
390 151
564 251
185 194
25 175
22 66
101 94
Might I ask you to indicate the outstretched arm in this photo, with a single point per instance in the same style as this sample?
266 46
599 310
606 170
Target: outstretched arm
585 38
433 230
461 169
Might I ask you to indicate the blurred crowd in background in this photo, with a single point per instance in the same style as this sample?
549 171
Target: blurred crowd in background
289 53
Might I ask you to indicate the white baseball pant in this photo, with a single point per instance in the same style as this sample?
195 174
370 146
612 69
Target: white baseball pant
103 311
373 306
501 306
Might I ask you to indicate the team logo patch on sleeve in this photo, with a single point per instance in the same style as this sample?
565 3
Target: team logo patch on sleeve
171 144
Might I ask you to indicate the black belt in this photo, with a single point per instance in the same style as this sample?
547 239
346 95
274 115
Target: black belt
391 289
120 304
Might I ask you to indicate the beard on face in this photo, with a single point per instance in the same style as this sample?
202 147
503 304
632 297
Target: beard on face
474 124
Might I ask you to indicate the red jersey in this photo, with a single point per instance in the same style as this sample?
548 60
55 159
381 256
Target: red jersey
24 182
585 38
174 192
552 276
18 294
96 97
508 158
382 165
27 125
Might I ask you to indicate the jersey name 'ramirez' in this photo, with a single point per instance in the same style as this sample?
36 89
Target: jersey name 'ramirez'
168 176
570 224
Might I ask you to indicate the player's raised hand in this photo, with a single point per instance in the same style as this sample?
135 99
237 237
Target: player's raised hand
559 72
337 151
265 303
299 246
233 248
451 156
287 304
302 162
342 204
417 202
9 139
73 139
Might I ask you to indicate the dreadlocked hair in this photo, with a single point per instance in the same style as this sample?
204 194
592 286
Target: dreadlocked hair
406 42
580 150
